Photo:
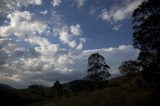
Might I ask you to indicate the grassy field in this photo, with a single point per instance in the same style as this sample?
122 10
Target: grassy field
116 93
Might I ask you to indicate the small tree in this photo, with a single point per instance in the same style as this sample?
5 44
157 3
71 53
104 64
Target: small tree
58 88
129 69
97 68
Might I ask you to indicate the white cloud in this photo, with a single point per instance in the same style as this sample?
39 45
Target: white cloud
59 64
56 2
75 30
44 46
28 54
70 35
105 15
114 56
21 3
21 24
8 6
64 34
44 12
72 44
119 13
33 58
18 64
80 46
65 59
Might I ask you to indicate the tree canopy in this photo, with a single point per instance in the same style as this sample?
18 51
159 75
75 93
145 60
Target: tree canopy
97 68
146 37
129 68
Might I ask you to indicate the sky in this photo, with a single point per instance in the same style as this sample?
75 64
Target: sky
46 40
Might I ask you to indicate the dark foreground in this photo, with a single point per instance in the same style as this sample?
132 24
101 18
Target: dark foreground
116 92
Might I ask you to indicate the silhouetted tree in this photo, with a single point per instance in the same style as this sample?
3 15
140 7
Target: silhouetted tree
129 68
58 87
146 37
97 69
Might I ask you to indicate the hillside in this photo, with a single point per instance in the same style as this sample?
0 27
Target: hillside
5 87
116 93
107 97
35 93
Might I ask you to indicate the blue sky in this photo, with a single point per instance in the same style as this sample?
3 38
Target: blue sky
45 40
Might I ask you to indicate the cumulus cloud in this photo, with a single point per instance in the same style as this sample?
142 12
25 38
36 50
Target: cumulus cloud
64 34
56 2
80 46
117 13
42 61
105 15
43 45
21 24
75 30
28 55
7 6
27 51
70 35
114 56
61 64
28 2
18 62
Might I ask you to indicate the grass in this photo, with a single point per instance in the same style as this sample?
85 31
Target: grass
116 93
107 97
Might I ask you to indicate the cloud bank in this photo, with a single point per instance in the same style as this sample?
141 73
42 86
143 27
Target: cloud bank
119 13
56 3
35 49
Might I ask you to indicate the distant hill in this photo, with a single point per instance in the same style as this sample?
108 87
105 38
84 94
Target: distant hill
36 86
36 93
78 85
5 87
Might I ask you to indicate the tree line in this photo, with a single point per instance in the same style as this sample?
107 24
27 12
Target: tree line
146 38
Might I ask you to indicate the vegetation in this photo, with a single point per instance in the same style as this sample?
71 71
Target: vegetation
146 37
115 92
130 69
97 69
58 88
4 87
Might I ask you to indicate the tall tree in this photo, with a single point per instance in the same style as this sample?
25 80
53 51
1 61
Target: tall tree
129 69
97 68
146 37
